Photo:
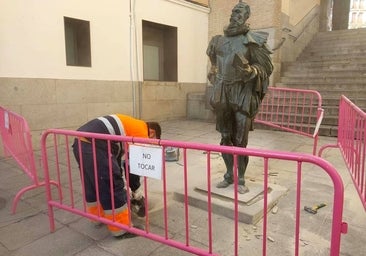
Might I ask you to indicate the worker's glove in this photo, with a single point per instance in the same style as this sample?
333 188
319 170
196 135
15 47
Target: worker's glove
138 207
138 202
138 193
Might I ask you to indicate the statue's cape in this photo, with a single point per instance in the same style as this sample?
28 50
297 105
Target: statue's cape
260 57
258 37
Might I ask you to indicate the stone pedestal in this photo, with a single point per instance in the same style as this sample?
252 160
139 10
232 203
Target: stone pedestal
250 209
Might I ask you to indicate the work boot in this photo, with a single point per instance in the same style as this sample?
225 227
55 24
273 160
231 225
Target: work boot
128 234
138 207
97 210
223 184
121 215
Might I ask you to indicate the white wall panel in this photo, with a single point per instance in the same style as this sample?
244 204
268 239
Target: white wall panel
32 40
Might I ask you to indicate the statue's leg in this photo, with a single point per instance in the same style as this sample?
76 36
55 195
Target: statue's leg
242 166
228 158
224 121
242 128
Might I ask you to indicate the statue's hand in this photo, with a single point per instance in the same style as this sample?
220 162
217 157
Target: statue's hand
248 72
211 76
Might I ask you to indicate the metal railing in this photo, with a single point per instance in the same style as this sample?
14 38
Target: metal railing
57 163
293 110
17 143
351 141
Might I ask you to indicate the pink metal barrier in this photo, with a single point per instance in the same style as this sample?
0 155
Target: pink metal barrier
293 110
17 143
351 141
57 162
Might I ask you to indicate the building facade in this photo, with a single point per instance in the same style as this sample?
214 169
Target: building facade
65 62
357 15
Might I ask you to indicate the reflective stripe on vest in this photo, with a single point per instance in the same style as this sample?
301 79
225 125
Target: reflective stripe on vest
114 128
120 125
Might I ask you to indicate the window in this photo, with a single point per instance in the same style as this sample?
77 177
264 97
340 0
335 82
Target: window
159 52
354 17
77 42
362 4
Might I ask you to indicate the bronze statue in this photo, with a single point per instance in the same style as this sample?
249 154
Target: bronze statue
240 70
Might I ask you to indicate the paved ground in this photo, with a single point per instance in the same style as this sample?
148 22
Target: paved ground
27 231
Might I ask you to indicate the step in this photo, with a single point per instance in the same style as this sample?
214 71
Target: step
334 101
331 111
313 73
343 60
307 83
313 84
342 82
328 130
308 129
336 41
324 130
349 51
360 60
336 44
322 51
339 39
333 84
318 58
326 66
334 64
330 121
329 65
284 116
340 34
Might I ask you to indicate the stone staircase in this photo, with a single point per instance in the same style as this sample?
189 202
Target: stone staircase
334 64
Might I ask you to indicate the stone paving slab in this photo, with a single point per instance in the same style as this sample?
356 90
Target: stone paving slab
26 233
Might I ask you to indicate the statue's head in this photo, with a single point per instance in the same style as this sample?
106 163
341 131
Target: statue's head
240 13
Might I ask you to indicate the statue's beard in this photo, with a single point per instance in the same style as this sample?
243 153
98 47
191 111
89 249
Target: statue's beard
235 28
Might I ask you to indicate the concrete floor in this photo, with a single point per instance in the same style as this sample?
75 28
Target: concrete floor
27 231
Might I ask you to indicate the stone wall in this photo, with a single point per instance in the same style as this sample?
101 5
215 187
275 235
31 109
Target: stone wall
66 104
340 14
167 100
297 37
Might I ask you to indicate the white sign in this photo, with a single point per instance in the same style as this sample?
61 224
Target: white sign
146 160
